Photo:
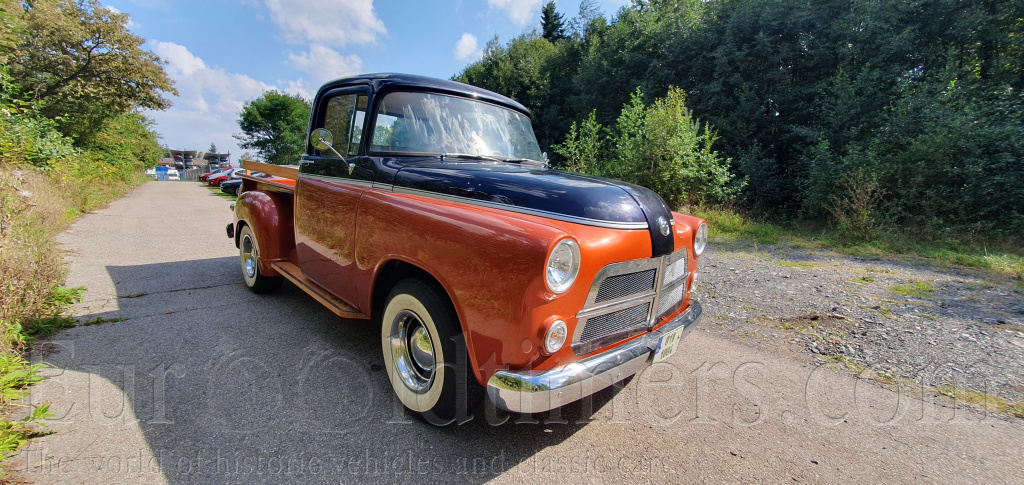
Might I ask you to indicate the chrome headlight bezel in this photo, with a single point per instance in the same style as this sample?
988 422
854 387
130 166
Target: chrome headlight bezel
555 337
565 256
700 239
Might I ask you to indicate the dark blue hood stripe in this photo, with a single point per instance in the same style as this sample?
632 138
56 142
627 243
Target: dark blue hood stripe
523 210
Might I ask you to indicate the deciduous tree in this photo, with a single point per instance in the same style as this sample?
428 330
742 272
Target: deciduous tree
81 63
274 125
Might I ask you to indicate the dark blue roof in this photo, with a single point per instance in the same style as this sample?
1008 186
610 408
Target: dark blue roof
378 81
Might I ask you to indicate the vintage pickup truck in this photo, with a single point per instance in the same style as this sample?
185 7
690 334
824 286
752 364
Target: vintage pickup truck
426 207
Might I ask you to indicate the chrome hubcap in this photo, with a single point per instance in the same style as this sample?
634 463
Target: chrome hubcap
248 256
412 351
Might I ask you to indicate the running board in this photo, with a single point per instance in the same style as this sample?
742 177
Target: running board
333 303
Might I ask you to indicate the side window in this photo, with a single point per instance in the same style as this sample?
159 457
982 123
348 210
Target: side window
344 118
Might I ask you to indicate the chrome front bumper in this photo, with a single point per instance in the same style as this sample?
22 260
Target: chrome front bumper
538 391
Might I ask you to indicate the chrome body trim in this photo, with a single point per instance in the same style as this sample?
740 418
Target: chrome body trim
328 178
523 210
538 391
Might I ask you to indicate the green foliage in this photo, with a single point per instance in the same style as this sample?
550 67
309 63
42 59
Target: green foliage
922 97
72 79
275 125
81 65
916 289
583 149
661 147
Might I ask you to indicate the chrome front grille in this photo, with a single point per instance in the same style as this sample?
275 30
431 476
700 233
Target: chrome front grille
619 321
628 298
623 285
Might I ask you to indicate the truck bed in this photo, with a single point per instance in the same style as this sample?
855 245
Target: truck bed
284 177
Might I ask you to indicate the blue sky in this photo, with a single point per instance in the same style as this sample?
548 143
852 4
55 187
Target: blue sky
222 53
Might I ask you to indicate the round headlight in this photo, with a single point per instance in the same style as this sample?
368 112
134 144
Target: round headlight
563 265
555 336
700 240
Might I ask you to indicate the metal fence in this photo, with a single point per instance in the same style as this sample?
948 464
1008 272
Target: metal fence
190 174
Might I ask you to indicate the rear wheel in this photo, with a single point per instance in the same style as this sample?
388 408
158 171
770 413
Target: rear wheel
425 355
248 252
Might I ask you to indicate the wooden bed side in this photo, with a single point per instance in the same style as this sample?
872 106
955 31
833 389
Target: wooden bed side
270 169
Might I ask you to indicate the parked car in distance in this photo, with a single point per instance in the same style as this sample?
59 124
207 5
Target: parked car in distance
219 177
204 177
231 186
173 174
179 162
209 174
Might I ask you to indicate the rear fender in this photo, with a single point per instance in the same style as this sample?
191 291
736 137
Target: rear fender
270 217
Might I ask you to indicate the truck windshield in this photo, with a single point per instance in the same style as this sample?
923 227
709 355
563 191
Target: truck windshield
425 123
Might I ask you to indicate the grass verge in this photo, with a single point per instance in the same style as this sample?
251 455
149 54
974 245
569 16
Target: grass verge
220 193
35 205
1003 256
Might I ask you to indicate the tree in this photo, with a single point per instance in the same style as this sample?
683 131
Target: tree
81 63
245 156
213 147
274 125
551 23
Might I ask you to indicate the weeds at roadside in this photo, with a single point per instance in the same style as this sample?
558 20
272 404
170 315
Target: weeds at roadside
101 320
851 364
796 264
916 289
729 225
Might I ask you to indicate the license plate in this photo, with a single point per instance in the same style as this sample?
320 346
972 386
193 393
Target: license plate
668 344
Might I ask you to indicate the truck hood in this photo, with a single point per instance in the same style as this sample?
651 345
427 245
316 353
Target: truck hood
555 194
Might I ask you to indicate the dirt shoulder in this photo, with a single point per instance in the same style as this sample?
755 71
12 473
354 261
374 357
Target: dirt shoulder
958 332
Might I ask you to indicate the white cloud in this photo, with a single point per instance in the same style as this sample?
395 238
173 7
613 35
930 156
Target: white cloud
326 22
519 11
324 64
208 103
467 48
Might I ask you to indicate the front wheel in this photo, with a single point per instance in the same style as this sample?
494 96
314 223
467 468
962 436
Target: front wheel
425 355
248 252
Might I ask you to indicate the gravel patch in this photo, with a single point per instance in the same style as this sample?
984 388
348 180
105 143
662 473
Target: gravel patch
896 322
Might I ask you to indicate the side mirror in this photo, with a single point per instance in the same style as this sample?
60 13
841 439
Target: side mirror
545 154
322 139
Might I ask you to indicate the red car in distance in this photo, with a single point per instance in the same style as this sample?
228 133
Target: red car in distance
219 177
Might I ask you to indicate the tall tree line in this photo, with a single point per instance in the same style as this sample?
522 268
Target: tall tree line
917 102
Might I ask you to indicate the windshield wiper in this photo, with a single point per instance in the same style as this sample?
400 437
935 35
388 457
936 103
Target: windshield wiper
467 155
524 160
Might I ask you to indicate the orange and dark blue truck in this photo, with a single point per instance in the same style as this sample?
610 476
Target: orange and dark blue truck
427 208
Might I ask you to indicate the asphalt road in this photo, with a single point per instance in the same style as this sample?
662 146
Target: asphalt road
193 379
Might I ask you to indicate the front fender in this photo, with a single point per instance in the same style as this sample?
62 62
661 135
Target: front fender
270 217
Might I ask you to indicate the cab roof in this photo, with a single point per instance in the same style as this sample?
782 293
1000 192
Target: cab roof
390 81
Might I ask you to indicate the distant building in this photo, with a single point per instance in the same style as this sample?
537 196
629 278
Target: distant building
184 158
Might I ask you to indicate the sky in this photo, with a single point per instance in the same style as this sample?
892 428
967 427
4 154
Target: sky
222 53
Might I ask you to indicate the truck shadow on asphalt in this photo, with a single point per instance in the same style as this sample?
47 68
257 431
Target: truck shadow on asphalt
229 386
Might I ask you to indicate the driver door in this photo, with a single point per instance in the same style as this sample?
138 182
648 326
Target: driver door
327 194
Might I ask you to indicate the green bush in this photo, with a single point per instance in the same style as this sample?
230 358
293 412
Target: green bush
661 147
